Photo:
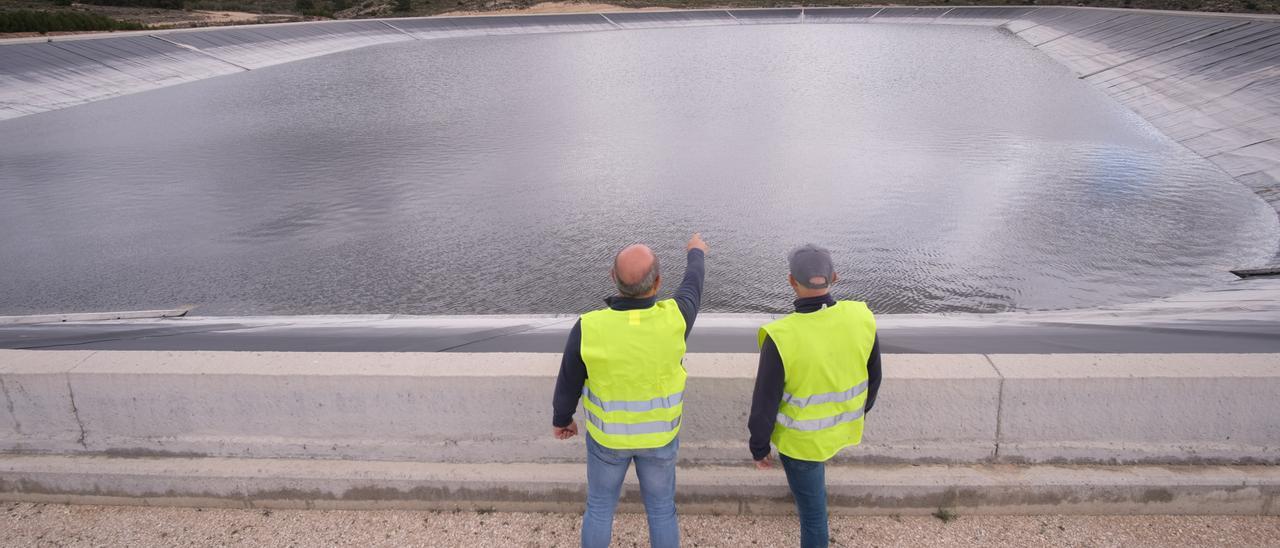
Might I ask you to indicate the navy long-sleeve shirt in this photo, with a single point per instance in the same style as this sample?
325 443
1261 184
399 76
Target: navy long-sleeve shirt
573 371
769 380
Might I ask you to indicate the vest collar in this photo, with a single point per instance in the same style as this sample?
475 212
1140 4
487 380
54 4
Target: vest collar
618 302
814 304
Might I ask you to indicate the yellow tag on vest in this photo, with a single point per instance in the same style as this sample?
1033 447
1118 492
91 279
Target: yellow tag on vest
634 317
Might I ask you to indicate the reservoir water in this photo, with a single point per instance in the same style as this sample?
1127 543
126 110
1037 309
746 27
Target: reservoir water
948 169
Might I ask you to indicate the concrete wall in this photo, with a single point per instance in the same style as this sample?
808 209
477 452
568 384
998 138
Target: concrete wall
495 407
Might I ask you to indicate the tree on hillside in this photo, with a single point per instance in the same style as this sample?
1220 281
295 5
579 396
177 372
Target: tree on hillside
404 5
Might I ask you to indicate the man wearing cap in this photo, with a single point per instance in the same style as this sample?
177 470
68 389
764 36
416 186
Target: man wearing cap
818 376
624 362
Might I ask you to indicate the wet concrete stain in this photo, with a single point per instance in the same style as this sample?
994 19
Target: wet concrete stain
766 500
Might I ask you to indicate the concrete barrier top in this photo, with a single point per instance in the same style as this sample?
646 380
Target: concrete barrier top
495 407
708 365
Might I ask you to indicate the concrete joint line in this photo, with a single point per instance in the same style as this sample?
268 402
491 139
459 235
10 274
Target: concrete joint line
1007 21
730 14
1043 23
1248 85
615 25
1240 147
1151 329
1078 31
31 319
1215 130
127 337
398 29
504 333
1256 42
1162 50
95 61
944 14
873 16
197 50
999 407
1246 40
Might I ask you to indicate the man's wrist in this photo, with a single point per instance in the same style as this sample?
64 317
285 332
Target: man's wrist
561 422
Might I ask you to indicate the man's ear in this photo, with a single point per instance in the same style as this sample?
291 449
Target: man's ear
613 274
792 281
657 283
834 277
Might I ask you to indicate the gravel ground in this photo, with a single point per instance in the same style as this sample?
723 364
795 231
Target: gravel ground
23 524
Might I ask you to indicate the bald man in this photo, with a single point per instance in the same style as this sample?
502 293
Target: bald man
624 363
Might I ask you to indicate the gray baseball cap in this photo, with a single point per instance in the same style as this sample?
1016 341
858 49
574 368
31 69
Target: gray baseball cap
810 261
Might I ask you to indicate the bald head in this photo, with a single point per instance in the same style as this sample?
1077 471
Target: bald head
635 271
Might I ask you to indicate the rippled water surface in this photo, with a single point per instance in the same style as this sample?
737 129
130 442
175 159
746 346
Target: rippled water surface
949 169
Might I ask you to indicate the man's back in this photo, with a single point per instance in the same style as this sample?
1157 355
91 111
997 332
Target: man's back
824 357
634 393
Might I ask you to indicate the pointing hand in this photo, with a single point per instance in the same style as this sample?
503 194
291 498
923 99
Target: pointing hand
696 243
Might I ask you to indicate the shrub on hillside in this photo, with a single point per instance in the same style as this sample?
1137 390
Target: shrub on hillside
63 21
165 4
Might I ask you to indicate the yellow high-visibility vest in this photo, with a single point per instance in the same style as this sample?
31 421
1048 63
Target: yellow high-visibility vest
824 358
634 394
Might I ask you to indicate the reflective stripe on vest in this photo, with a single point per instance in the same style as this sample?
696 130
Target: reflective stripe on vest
634 428
634 406
829 397
819 424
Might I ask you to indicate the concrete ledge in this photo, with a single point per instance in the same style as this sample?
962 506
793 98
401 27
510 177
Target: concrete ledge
1147 408
495 407
866 489
94 316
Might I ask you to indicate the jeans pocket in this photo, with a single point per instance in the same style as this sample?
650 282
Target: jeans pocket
604 454
666 453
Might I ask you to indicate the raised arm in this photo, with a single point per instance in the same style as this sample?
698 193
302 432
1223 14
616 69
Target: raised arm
689 295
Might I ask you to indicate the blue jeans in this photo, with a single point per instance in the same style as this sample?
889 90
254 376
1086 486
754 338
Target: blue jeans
656 469
808 481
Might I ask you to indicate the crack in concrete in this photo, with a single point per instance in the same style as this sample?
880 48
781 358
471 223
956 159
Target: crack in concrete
8 402
999 407
75 411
